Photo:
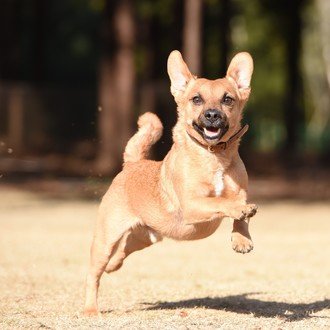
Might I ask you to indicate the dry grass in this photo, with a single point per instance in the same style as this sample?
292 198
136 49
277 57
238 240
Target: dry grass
283 284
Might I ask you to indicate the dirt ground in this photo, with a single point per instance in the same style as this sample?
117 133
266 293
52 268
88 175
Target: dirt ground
283 284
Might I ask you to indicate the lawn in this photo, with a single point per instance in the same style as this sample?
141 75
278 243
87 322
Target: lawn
284 283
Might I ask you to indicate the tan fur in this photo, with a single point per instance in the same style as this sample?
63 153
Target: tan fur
178 197
150 131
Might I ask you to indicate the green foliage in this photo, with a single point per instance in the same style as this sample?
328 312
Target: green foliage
253 30
69 48
69 40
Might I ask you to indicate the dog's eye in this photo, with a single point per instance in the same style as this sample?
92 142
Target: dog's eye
227 100
197 100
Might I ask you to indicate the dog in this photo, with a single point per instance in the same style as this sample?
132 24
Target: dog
201 180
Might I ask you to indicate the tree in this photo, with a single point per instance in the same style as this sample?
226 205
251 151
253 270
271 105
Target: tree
286 18
224 26
192 35
294 112
40 8
116 84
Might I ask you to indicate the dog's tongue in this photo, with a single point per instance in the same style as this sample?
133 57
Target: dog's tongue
211 132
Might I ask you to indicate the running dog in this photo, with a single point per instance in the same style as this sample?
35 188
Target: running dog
200 181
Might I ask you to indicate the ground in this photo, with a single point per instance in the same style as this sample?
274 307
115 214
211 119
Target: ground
284 283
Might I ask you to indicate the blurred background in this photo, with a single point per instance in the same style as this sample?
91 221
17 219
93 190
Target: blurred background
75 75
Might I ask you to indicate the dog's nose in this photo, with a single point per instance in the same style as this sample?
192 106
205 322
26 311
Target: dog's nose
212 115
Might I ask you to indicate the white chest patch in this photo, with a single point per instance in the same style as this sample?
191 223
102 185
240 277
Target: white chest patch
218 183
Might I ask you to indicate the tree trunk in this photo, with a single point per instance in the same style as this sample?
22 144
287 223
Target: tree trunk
116 85
16 119
192 34
40 8
225 41
324 12
10 26
294 112
146 30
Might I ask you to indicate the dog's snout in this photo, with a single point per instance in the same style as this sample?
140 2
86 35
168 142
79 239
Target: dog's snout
212 115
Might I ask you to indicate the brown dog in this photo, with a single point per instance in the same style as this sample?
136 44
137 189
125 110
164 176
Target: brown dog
201 180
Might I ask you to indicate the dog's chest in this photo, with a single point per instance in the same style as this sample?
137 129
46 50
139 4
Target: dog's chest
218 183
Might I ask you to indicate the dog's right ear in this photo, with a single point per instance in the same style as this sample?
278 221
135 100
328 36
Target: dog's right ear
179 73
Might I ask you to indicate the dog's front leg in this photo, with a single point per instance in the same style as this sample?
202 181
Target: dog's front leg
240 236
203 209
236 181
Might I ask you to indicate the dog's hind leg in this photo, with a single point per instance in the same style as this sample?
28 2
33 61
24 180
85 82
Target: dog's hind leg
134 239
100 256
109 256
106 242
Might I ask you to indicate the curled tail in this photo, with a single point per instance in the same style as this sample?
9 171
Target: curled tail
149 132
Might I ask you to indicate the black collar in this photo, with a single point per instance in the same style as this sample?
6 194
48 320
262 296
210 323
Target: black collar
223 145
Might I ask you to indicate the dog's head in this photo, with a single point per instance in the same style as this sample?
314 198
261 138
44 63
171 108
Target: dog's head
210 110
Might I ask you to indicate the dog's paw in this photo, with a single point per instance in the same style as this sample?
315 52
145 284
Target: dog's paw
251 210
243 212
90 312
241 244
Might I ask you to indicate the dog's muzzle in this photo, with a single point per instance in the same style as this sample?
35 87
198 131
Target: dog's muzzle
212 125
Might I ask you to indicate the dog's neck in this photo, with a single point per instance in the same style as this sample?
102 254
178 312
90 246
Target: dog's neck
222 145
199 154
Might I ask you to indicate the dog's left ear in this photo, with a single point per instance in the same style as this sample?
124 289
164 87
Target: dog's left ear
179 73
240 71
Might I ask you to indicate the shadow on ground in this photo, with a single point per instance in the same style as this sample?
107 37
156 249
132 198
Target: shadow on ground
242 304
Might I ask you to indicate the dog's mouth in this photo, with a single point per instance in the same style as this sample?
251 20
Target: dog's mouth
211 133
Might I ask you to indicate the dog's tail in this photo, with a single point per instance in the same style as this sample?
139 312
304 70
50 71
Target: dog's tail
149 132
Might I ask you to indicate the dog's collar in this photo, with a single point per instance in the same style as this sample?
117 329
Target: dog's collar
223 145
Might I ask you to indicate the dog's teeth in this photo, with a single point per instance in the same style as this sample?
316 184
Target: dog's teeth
211 133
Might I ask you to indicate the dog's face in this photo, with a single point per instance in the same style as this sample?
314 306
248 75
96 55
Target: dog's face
210 110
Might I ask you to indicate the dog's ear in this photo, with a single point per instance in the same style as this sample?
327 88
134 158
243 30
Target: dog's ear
179 73
240 70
